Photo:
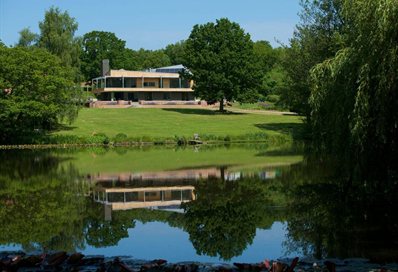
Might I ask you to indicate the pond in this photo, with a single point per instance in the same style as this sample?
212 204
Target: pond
239 203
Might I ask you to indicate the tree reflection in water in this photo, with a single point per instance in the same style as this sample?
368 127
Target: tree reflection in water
46 205
40 208
330 216
223 220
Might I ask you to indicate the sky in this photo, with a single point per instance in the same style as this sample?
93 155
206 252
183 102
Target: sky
153 24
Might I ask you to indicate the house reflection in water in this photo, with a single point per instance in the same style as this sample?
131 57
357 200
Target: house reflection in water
116 199
156 190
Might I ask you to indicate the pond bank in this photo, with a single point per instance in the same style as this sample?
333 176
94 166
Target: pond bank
104 141
62 261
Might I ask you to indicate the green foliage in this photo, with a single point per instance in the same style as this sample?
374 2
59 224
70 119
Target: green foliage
176 52
37 92
317 38
145 59
120 138
264 55
222 220
57 32
27 38
100 45
272 98
354 98
40 206
220 58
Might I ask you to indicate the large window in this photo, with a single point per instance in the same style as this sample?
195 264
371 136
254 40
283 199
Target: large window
130 82
174 83
115 82
166 96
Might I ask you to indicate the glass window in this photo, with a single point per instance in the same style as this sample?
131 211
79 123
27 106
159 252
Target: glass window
115 82
174 82
131 196
149 84
130 82
115 197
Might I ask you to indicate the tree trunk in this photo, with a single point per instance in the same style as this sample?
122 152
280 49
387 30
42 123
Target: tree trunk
222 105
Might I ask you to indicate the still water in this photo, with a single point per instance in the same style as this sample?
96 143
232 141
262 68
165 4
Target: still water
209 204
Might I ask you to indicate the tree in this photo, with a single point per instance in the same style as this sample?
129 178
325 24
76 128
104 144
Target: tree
57 32
27 38
269 62
176 52
37 92
354 98
316 39
219 57
145 59
100 45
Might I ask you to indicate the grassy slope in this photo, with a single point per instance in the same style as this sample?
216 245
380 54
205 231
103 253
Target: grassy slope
170 122
160 159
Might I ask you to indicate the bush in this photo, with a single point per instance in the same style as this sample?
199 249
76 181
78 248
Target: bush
181 140
99 138
273 98
120 138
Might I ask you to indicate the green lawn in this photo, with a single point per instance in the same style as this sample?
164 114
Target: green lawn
166 123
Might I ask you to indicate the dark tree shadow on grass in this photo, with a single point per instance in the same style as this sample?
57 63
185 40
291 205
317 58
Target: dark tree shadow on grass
297 130
203 112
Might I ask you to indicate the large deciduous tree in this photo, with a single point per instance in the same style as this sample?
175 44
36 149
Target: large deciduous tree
99 45
36 92
220 58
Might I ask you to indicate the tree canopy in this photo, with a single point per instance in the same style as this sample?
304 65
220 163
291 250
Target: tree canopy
176 52
57 35
99 45
317 38
220 59
354 97
27 38
37 91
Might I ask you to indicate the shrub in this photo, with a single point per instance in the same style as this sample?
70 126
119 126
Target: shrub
120 138
181 140
273 98
99 138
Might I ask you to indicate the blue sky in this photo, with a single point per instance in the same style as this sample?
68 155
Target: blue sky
153 24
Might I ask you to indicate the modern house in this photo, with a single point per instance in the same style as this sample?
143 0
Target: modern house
160 84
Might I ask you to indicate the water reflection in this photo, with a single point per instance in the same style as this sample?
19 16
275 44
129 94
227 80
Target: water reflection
55 200
333 217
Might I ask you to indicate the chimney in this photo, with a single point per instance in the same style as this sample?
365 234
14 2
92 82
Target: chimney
105 67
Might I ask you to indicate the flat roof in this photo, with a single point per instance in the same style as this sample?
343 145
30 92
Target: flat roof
127 73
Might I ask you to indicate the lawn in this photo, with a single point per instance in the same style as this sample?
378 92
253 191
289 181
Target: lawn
166 123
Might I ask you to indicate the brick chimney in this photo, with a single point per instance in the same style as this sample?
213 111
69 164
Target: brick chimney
105 67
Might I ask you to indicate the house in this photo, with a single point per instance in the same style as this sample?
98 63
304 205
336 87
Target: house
160 84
